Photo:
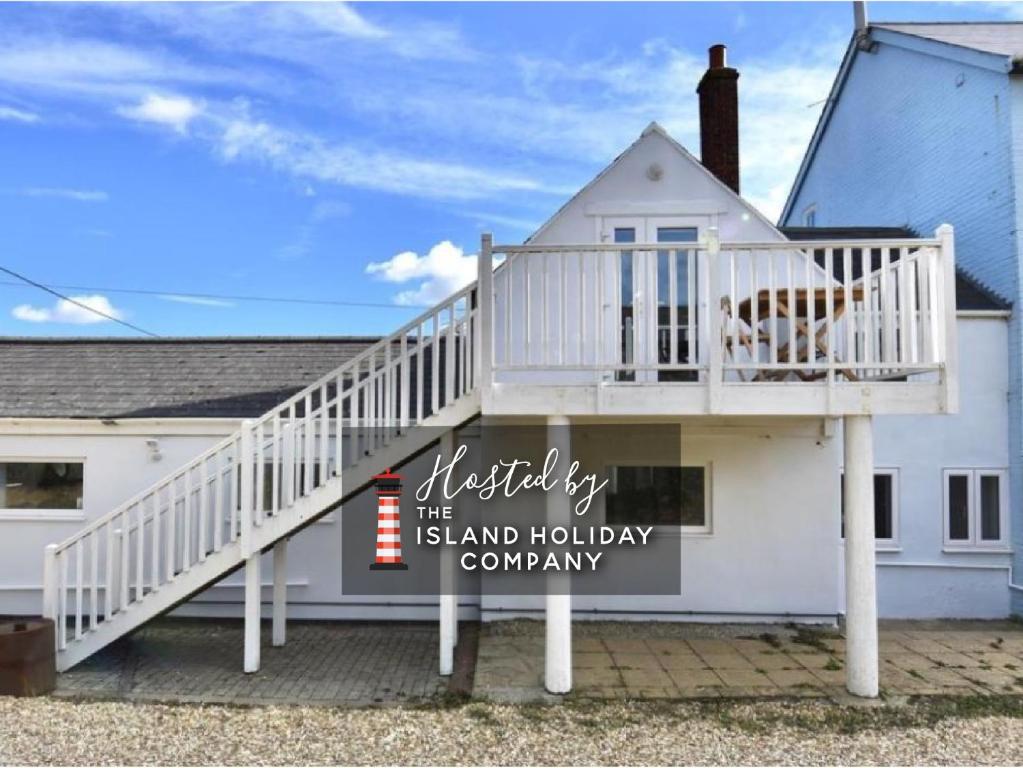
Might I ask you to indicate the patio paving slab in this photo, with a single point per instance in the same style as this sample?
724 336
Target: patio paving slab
193 660
679 661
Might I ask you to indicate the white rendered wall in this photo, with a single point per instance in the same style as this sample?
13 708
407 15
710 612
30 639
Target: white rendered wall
117 465
919 579
770 551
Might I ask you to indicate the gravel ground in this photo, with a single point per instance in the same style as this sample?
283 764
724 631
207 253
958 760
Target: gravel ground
939 731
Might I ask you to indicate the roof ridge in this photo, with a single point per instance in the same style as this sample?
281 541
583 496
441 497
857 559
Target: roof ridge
943 23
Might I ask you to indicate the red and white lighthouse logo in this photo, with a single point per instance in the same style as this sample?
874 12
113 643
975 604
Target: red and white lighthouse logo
388 523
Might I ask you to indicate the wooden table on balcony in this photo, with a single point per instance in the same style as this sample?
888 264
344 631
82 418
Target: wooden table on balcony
799 318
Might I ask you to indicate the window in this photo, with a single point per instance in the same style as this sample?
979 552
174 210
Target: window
671 496
810 216
41 485
976 508
886 507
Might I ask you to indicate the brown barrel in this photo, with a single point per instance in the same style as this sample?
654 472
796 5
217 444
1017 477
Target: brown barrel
28 663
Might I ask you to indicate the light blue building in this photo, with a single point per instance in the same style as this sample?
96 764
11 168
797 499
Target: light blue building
924 125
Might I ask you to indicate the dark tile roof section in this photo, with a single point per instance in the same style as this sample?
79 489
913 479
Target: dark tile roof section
971 294
152 378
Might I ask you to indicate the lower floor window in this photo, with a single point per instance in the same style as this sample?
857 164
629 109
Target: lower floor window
976 507
675 496
41 485
885 506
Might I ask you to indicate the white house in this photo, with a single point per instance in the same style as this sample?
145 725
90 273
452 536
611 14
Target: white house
922 126
747 367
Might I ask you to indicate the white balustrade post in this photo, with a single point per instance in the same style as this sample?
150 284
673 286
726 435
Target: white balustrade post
50 609
485 297
558 656
860 576
245 496
950 336
116 573
280 598
253 586
448 580
288 465
715 352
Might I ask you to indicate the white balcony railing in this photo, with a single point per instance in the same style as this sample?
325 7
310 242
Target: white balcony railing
720 313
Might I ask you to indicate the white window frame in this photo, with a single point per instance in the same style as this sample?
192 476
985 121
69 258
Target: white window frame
810 212
973 543
707 529
52 515
881 545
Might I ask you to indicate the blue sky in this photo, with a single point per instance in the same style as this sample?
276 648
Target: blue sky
353 153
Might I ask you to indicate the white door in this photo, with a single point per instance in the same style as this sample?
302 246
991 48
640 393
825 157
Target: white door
658 321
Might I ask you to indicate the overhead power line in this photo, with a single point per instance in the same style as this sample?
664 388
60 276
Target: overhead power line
77 303
231 297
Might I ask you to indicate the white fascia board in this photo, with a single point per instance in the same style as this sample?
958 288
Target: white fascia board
996 62
983 314
104 427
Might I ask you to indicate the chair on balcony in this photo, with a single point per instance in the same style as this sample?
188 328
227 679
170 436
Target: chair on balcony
799 318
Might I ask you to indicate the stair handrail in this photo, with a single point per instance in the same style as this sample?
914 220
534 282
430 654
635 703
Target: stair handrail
351 365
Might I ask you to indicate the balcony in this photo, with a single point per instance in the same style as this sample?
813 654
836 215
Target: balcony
709 327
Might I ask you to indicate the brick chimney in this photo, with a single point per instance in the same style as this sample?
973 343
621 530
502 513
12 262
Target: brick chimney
719 119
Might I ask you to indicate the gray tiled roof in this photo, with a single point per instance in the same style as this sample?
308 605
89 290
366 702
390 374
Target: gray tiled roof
1004 38
183 377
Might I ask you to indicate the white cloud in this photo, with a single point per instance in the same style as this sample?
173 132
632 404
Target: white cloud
442 271
1010 9
488 220
529 123
172 111
305 238
65 311
308 33
96 69
308 156
325 210
81 195
13 115
201 301
566 112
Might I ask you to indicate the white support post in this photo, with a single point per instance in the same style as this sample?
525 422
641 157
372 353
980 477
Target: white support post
558 656
246 481
860 575
946 235
253 589
448 581
715 352
485 297
50 583
280 599
250 551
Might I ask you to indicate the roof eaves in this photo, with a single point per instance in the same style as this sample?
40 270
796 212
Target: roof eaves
189 340
998 62
891 36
